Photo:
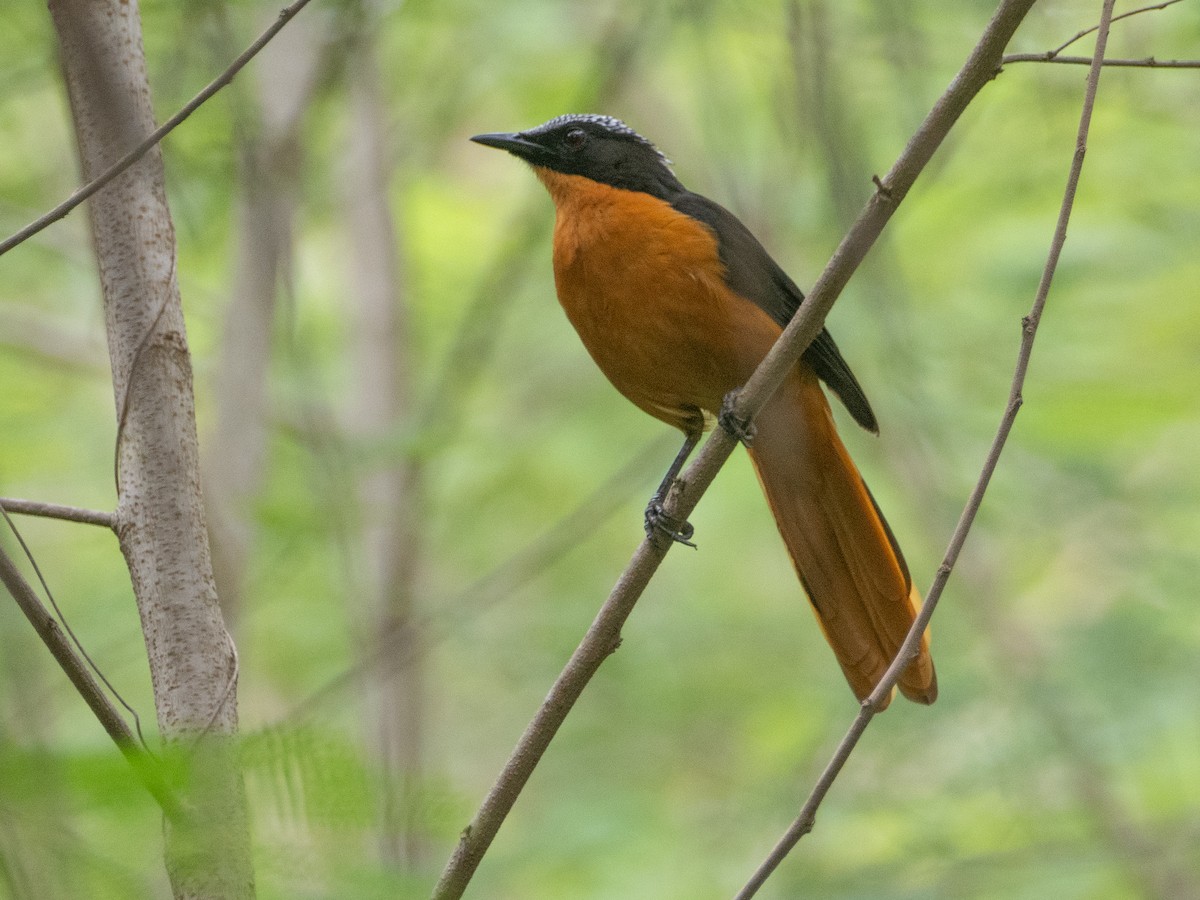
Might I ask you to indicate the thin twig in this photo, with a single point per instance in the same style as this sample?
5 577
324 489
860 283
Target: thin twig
1133 12
604 634
76 669
57 511
908 650
1147 62
152 139
70 632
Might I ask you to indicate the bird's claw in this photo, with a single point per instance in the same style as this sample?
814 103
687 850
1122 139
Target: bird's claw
735 426
658 522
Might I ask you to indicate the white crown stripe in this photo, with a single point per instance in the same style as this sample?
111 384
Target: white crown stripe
608 123
603 121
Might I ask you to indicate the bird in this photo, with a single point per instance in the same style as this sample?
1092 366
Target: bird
677 303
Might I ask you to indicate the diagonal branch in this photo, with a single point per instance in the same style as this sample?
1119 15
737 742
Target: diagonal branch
104 178
908 650
603 637
85 683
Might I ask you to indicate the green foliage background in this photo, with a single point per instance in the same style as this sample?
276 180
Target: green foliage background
1063 758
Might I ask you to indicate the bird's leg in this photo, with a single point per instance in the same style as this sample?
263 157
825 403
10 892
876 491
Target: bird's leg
728 419
657 520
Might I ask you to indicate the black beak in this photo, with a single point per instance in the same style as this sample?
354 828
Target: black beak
513 143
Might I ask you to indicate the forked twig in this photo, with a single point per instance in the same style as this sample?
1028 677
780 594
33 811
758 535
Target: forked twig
145 767
908 650
61 624
1153 7
604 634
1148 62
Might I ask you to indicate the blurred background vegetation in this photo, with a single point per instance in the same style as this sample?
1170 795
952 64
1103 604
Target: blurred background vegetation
421 488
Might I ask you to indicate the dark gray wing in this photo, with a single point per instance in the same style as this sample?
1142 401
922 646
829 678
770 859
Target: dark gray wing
751 272
825 358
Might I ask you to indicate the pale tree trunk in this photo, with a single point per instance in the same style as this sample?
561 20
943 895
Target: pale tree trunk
270 158
192 660
390 496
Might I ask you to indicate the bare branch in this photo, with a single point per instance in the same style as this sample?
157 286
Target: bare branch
1133 12
48 629
604 634
57 511
908 650
105 177
1148 62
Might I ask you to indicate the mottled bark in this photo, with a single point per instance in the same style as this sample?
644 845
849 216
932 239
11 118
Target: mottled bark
161 517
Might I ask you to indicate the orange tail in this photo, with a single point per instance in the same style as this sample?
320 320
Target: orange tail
843 550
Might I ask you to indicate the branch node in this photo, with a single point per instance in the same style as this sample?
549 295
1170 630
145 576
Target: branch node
664 529
734 424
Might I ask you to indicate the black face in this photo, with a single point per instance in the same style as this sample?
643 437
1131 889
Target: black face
601 148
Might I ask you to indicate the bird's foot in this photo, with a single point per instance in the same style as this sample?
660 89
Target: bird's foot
728 419
659 523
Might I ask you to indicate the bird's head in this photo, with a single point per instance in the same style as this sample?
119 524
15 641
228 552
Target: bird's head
601 148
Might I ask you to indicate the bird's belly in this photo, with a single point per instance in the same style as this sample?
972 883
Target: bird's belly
654 312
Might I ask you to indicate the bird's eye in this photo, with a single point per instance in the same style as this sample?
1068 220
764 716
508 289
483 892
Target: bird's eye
575 138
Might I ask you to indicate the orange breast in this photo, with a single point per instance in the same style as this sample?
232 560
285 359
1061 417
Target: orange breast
644 286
